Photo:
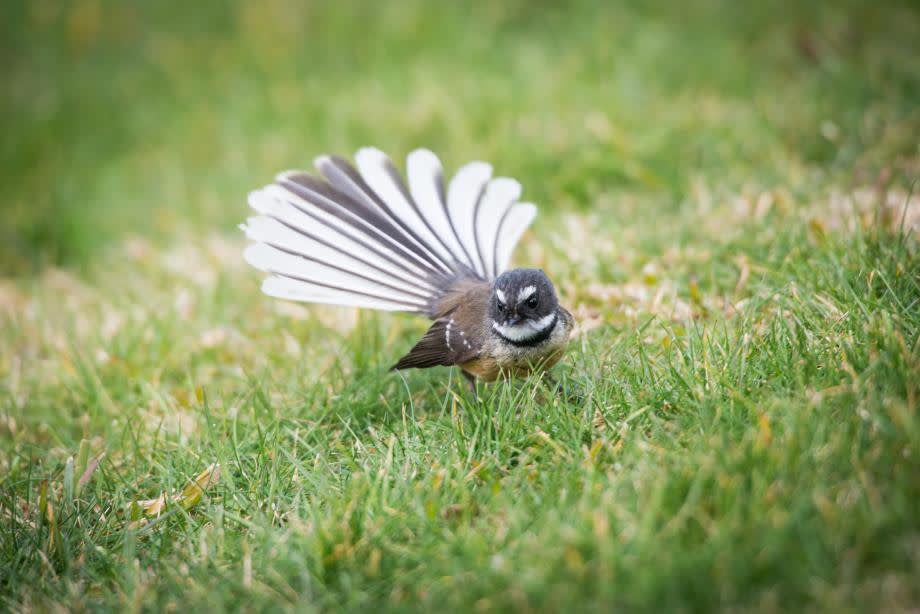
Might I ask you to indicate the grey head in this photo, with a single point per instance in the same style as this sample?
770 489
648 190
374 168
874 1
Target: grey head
523 305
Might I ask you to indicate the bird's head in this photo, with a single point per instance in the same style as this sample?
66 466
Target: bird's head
523 304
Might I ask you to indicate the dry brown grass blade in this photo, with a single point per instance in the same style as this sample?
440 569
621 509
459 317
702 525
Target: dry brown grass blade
189 497
192 494
88 472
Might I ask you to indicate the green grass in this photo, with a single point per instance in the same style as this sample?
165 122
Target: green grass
726 206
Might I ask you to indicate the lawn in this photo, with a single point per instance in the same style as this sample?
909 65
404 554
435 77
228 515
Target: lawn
727 204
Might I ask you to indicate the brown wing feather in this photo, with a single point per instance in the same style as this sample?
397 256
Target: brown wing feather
433 349
457 333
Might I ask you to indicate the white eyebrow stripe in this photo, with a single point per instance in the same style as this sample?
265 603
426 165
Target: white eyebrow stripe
526 293
500 295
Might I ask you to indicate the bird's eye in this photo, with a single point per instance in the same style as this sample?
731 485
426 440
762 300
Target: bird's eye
500 305
532 301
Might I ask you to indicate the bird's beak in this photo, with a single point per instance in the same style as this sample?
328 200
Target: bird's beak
514 320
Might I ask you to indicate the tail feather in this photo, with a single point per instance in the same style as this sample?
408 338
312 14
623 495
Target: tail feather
344 178
303 268
499 196
328 221
463 195
426 183
380 174
321 196
515 221
274 233
310 292
362 237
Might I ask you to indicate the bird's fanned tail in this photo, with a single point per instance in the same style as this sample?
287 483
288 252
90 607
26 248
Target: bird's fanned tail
361 237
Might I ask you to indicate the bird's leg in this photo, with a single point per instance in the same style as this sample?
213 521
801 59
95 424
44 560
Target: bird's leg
552 382
471 381
572 392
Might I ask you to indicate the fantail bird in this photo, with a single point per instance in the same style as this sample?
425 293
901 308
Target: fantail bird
361 238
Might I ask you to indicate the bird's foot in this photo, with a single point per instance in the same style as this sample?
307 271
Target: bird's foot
566 390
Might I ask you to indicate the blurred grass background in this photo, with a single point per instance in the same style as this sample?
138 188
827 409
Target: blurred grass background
725 205
156 119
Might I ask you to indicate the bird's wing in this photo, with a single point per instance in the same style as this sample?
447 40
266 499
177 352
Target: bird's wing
457 333
445 343
362 237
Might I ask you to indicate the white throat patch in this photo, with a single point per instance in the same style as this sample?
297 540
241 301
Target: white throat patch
525 330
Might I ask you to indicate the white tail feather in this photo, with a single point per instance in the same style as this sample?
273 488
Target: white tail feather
293 290
366 239
515 222
348 221
500 194
426 183
462 195
374 166
272 260
276 202
270 231
352 187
